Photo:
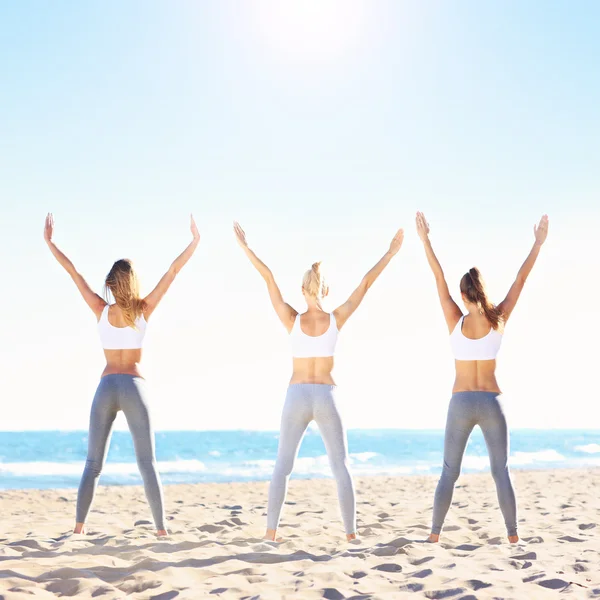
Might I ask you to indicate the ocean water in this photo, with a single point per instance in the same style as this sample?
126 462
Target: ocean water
51 459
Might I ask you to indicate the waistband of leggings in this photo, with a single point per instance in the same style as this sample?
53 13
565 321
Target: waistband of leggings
312 386
120 376
477 394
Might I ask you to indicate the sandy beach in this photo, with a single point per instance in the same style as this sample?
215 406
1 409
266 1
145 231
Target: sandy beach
215 550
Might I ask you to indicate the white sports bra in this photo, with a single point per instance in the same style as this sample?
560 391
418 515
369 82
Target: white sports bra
464 348
121 338
313 346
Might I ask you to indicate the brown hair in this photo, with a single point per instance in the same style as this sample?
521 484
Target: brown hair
473 289
122 282
313 282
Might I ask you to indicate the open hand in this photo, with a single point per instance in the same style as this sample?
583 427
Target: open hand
541 230
49 228
422 226
240 235
396 243
194 228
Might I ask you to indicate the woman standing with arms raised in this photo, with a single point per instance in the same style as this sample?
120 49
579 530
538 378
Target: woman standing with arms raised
475 339
121 326
311 393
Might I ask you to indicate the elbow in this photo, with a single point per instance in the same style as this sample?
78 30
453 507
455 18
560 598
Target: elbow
268 277
173 270
365 284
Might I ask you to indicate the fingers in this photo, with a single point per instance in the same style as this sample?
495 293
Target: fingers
239 232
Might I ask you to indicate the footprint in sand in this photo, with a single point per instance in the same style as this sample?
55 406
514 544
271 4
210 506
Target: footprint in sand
412 587
528 556
166 595
467 547
388 568
421 561
210 528
476 584
358 575
440 594
422 574
554 584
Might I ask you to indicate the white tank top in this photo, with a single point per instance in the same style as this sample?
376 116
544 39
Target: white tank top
121 338
464 348
309 346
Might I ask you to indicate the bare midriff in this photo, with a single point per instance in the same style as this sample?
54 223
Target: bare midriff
123 362
475 376
313 370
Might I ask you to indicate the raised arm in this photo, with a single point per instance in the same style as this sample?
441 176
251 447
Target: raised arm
452 312
156 295
93 300
343 312
284 311
540 232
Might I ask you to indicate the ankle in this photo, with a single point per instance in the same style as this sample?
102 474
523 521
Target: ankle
79 527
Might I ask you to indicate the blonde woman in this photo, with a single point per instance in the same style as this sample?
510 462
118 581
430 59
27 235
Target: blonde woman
475 339
311 392
121 326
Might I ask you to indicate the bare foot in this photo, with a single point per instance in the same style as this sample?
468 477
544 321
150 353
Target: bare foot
350 536
434 538
271 536
162 533
78 528
513 539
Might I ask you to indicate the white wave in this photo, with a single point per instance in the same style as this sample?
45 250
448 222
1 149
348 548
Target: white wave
475 462
589 448
528 458
363 456
53 469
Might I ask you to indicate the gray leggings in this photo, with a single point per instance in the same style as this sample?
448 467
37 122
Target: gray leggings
466 410
306 402
115 393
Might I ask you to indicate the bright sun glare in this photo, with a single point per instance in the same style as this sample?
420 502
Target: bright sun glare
310 30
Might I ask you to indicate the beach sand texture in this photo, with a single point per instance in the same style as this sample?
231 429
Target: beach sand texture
215 550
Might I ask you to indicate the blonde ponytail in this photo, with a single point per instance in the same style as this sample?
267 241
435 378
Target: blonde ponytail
313 282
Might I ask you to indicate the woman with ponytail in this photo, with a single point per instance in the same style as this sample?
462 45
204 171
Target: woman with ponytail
311 393
475 339
121 326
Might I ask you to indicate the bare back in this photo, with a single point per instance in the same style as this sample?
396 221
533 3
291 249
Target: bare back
315 369
475 375
121 361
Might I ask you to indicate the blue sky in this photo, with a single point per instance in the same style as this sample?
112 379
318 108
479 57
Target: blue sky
322 131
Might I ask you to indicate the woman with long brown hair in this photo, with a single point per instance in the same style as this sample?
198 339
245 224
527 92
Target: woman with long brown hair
475 340
311 392
121 326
